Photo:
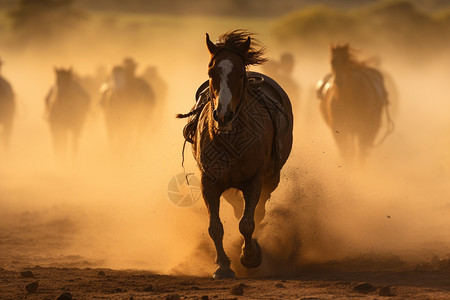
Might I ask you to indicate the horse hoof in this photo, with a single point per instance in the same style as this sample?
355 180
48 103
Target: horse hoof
252 259
223 273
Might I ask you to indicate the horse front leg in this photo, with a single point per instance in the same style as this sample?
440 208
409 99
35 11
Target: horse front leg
251 256
211 194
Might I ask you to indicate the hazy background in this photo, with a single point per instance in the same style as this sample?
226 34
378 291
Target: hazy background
98 211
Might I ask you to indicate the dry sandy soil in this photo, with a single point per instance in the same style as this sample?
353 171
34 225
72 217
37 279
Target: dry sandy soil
328 283
33 249
74 277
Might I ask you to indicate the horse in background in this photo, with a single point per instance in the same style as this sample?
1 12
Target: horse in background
67 105
352 98
91 83
241 135
282 71
7 110
156 82
127 102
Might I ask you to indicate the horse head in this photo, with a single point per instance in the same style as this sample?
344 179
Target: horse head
64 78
227 70
342 60
227 78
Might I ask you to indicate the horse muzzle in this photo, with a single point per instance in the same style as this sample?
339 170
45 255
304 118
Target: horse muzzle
224 121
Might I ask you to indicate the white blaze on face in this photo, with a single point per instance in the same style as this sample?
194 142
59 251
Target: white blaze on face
225 93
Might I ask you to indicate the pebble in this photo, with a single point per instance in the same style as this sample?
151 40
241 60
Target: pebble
238 290
173 297
148 288
386 291
27 274
65 296
32 287
101 274
365 288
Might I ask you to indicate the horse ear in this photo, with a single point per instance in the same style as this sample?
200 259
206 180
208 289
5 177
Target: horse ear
246 45
211 47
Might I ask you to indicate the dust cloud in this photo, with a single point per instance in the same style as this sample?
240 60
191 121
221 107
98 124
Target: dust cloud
95 210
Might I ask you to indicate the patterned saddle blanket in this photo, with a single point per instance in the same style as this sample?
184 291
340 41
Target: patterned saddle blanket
258 84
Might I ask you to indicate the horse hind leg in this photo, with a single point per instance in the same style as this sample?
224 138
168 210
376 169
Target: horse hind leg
76 133
234 197
344 142
7 129
267 189
216 232
365 143
251 256
59 138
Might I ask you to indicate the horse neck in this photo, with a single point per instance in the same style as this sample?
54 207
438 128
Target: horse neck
63 90
346 73
121 85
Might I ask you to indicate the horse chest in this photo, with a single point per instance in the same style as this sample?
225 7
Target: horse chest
234 156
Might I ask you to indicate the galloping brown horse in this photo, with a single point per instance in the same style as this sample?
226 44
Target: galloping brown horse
241 133
67 105
352 100
7 109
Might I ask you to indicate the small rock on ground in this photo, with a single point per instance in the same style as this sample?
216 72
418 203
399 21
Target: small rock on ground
365 288
148 288
173 297
65 296
386 291
101 274
238 290
32 287
27 274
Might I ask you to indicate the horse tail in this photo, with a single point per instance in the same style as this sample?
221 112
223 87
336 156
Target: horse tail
376 80
390 127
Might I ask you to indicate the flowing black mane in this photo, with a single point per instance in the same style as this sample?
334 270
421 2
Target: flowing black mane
234 39
348 53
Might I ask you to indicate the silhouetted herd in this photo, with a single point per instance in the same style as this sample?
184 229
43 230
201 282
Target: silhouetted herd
353 97
127 101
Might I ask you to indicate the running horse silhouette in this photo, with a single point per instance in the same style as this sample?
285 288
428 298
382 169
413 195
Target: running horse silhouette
352 98
67 105
241 135
127 102
7 109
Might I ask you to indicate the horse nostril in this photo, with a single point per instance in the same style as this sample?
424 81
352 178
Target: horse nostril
215 116
229 116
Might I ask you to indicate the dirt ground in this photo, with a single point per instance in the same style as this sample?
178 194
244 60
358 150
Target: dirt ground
35 246
328 283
